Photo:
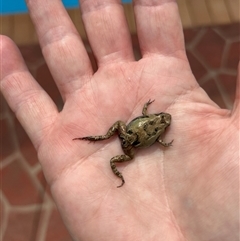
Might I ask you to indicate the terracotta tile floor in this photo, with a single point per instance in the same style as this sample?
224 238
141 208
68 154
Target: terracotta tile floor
28 212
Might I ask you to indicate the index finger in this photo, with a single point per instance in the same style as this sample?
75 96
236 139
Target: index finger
33 107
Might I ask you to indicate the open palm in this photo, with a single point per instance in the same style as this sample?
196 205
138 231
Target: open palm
187 191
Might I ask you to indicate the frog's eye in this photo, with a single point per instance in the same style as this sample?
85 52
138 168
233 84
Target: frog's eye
161 115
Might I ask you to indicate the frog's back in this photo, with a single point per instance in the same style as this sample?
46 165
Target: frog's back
139 128
137 123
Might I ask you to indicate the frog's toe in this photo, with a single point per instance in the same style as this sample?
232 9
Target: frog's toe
150 101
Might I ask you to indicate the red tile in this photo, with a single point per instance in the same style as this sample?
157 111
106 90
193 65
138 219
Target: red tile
32 54
233 56
197 68
7 144
45 79
2 214
190 34
229 83
230 31
18 186
56 229
91 55
43 182
136 47
20 132
93 61
211 48
3 106
134 39
212 90
28 151
22 226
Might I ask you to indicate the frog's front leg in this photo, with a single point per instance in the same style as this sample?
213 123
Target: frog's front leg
166 144
117 126
144 111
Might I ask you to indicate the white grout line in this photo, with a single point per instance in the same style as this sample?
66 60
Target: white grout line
225 54
196 39
44 223
33 176
228 71
36 168
5 208
8 160
225 95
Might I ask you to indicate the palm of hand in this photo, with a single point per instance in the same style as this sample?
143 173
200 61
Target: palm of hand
172 193
192 173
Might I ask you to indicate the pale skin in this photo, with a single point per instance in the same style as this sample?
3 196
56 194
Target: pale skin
185 192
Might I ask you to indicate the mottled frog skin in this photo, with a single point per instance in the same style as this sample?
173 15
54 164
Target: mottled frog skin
142 131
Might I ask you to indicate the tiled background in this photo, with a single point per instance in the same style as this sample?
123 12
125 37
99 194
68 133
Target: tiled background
194 13
27 210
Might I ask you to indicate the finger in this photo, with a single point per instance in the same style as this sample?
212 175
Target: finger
236 107
160 31
31 104
107 30
62 47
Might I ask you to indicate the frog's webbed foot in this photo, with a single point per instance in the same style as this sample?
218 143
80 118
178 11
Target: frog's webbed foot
120 158
166 144
144 111
117 126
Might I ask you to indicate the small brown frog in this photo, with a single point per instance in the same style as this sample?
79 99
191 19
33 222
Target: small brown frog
142 131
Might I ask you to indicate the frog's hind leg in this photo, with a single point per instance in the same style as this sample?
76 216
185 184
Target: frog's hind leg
117 126
144 111
116 159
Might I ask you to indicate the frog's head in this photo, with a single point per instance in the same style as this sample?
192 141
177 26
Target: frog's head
165 118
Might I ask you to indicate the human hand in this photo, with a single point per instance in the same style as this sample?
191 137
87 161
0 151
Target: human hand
185 192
